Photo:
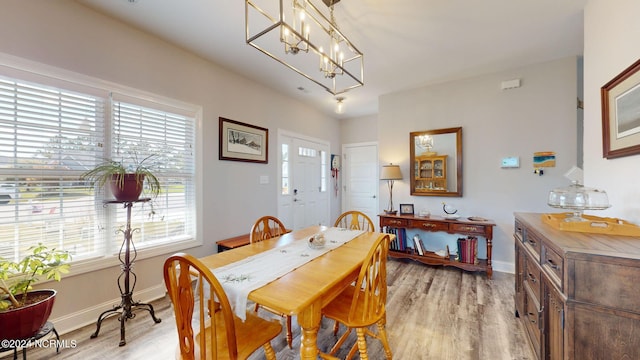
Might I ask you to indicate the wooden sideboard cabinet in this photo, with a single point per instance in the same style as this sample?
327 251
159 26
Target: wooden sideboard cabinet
577 293
460 226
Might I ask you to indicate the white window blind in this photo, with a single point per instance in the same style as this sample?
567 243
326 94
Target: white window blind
166 139
49 136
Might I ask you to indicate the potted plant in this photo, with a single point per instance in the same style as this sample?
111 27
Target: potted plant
23 311
126 182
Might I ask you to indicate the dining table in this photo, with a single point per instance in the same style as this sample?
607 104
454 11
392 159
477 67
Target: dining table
305 290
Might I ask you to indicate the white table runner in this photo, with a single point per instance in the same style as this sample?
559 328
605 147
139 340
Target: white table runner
241 277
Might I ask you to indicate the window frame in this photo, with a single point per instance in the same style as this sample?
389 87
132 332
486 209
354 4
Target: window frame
47 75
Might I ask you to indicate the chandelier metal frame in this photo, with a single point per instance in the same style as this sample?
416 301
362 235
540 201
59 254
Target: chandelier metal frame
287 30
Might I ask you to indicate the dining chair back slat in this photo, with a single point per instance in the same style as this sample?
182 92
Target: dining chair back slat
265 228
194 290
363 304
354 220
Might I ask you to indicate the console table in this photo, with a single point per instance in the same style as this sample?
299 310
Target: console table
462 226
129 252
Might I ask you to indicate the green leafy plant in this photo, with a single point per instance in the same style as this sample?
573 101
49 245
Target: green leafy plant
109 169
17 278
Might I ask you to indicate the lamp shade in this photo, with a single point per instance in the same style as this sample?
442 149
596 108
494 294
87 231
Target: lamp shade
390 172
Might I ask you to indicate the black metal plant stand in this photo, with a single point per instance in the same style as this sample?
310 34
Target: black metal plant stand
128 250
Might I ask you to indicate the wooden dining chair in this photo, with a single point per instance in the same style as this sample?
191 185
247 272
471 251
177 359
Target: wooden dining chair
354 220
267 227
363 303
264 228
221 334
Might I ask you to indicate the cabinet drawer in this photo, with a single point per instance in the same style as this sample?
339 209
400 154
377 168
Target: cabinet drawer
533 242
429 225
519 230
553 262
532 277
468 229
393 222
615 280
532 322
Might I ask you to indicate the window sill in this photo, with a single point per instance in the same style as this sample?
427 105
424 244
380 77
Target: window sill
86 266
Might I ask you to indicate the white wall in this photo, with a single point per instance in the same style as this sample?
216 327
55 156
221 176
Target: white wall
360 129
539 116
67 35
612 31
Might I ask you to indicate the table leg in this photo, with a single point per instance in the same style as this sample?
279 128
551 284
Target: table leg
309 321
489 250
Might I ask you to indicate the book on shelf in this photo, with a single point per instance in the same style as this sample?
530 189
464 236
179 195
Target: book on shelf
400 241
417 244
468 250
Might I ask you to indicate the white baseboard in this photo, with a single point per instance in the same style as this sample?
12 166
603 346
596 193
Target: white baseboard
87 316
502 266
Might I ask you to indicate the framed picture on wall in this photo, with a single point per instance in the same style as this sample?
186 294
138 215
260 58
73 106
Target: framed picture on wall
406 209
243 142
621 114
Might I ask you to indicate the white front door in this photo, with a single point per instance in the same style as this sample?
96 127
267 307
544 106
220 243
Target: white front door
360 178
304 198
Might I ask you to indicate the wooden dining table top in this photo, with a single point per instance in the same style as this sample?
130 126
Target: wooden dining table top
306 289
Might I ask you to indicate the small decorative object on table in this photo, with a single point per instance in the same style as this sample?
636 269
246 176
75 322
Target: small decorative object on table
317 241
448 209
406 209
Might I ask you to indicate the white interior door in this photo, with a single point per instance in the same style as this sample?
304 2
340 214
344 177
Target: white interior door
304 200
360 178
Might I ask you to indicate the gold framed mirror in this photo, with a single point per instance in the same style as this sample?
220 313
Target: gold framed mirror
436 162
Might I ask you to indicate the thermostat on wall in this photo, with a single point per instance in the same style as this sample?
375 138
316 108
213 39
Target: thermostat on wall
511 162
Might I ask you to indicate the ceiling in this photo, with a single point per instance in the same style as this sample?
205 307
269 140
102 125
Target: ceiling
406 43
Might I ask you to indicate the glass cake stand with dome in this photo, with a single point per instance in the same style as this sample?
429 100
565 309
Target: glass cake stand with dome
577 198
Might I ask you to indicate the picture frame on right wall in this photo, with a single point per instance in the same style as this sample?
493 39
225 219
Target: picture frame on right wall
621 114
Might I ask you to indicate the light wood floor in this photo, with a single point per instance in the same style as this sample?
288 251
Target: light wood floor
432 313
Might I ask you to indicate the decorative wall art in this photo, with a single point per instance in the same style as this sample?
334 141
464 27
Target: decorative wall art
621 114
243 142
543 159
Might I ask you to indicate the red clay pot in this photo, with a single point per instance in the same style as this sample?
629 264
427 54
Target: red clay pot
24 322
131 189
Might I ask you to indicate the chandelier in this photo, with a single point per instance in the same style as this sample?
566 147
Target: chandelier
425 142
307 40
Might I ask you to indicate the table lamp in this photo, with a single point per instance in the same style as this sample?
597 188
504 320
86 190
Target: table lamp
390 173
